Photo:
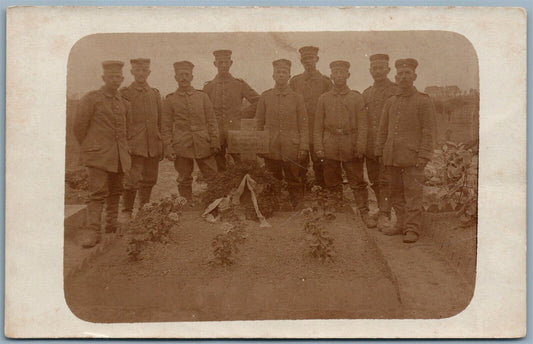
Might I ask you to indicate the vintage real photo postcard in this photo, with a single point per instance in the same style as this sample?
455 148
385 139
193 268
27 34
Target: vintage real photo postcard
265 172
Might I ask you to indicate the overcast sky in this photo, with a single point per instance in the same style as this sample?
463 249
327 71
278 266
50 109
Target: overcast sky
445 58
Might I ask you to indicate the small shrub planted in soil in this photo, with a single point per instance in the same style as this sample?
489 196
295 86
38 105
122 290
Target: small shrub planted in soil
268 188
153 223
454 172
225 246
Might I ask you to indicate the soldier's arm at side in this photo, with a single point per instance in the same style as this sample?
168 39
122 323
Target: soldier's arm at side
252 97
129 120
82 119
260 113
383 128
427 112
362 125
318 130
212 125
159 111
303 124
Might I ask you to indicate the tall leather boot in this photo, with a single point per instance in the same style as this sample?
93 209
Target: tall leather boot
361 202
111 213
144 195
94 223
128 200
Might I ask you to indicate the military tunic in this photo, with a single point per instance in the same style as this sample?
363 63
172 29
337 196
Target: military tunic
227 94
282 112
375 97
406 133
101 128
340 124
189 125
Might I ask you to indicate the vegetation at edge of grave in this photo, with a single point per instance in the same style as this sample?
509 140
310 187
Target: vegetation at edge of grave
153 223
318 239
268 188
454 172
225 245
77 179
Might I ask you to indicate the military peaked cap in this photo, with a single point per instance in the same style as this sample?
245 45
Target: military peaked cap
308 51
340 64
112 66
282 63
379 58
222 54
140 61
183 65
410 63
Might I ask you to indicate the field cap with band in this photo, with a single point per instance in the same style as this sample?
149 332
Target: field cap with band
409 63
308 51
141 61
282 64
180 65
112 66
340 64
379 58
222 54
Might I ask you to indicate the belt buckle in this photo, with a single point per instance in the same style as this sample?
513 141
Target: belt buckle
339 131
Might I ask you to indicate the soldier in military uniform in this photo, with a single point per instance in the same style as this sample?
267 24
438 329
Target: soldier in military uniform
405 144
101 128
227 94
144 142
189 130
375 97
311 84
282 112
340 135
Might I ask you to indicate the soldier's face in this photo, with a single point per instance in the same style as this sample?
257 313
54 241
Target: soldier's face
184 77
309 62
405 77
223 66
339 76
281 76
379 71
140 73
113 80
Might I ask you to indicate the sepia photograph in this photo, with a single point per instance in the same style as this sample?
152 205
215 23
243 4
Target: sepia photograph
256 176
237 174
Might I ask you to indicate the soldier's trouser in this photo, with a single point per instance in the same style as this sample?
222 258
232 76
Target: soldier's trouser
406 187
378 176
220 157
104 188
354 173
185 166
142 176
317 167
292 173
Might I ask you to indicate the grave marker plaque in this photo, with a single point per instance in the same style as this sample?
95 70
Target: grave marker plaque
248 142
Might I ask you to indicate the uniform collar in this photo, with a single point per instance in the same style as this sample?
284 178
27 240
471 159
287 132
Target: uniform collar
140 87
186 90
407 93
284 90
343 90
108 94
225 77
312 74
382 83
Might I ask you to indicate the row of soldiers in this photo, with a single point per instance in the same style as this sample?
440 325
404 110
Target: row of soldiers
124 133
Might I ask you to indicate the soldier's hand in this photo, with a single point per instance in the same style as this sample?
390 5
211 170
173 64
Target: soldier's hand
302 154
358 154
380 160
421 162
170 156
215 150
320 155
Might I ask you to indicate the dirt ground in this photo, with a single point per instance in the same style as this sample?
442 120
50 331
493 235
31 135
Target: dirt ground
274 276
